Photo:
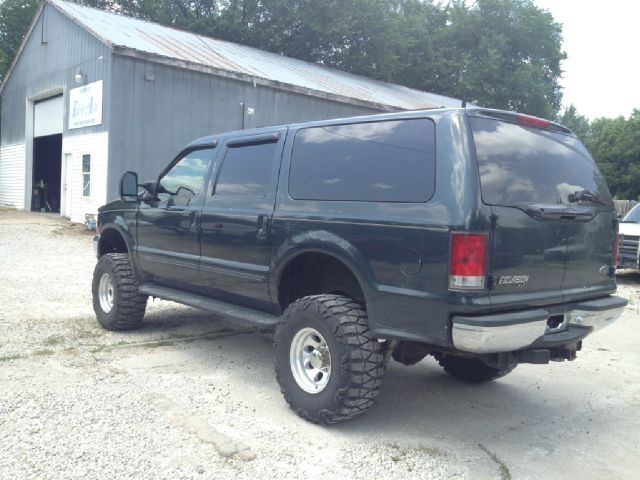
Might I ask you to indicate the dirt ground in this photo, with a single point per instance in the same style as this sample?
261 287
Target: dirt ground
193 396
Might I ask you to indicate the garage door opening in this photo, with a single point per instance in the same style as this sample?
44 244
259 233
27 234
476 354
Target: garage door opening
47 154
47 172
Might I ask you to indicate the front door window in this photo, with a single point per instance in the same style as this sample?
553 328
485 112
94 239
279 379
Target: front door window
184 181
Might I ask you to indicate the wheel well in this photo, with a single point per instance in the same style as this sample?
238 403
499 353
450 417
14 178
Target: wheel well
111 241
317 273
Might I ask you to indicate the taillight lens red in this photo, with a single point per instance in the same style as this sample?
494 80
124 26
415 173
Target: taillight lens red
533 121
616 251
468 260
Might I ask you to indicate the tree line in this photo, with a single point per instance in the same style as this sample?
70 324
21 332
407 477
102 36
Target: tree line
615 145
496 53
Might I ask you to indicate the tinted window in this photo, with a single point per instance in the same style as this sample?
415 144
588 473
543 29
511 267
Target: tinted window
247 170
391 161
530 165
185 179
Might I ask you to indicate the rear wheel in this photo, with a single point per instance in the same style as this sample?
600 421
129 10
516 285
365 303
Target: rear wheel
328 364
116 300
472 370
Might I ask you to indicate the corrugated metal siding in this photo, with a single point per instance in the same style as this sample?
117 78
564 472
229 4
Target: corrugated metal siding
96 145
196 50
12 176
153 120
41 68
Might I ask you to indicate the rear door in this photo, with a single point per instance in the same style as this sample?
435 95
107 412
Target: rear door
236 219
553 230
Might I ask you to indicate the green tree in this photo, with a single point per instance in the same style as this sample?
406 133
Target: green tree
501 53
504 53
579 124
615 145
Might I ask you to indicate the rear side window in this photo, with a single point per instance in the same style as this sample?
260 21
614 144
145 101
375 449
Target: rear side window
247 170
391 161
522 164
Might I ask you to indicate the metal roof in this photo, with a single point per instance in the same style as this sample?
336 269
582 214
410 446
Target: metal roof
131 36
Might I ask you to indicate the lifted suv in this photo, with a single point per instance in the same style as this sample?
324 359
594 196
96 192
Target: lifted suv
481 237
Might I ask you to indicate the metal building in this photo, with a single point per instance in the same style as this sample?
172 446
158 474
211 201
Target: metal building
92 94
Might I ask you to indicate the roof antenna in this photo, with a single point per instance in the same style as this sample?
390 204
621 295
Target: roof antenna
465 98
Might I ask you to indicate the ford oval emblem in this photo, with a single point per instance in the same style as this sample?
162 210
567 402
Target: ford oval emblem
604 270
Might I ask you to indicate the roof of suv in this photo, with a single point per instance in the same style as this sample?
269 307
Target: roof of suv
515 117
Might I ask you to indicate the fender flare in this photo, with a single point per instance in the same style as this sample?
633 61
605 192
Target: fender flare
326 243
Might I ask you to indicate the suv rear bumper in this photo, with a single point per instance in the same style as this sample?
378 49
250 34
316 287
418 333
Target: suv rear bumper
508 332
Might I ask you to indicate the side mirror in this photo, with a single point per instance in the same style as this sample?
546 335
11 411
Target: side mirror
129 187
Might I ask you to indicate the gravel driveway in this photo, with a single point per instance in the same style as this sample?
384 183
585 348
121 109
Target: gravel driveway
192 396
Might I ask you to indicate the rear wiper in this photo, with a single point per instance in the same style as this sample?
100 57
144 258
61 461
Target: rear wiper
584 195
544 211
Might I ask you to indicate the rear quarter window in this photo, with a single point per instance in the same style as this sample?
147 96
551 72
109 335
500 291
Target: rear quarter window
389 161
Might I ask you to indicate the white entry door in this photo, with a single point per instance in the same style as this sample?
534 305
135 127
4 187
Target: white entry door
65 194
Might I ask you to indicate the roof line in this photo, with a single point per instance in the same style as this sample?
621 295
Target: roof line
288 87
27 35
81 25
124 50
198 67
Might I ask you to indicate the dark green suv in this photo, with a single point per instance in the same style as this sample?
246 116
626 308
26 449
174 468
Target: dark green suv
484 238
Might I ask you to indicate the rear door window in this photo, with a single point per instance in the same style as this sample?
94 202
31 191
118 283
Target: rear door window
247 170
389 161
522 164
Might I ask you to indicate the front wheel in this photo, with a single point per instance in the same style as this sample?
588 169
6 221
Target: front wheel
471 370
328 364
116 300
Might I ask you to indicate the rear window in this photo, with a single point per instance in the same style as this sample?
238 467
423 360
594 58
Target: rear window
390 161
521 164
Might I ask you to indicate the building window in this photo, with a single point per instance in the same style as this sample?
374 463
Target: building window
86 175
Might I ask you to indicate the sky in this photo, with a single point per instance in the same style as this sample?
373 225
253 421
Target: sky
601 38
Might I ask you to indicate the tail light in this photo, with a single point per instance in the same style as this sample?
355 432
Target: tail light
468 261
532 121
616 251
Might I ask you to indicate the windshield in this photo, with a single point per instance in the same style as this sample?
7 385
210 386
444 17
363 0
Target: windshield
633 216
522 164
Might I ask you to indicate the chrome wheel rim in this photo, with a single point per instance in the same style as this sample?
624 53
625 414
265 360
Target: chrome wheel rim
105 293
310 360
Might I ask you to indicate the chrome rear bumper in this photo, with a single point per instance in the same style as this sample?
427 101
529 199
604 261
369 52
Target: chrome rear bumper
507 332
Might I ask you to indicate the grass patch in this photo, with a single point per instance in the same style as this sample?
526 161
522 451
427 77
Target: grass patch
88 334
8 358
42 353
166 341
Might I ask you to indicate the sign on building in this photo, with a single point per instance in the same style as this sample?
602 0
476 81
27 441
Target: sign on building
85 105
